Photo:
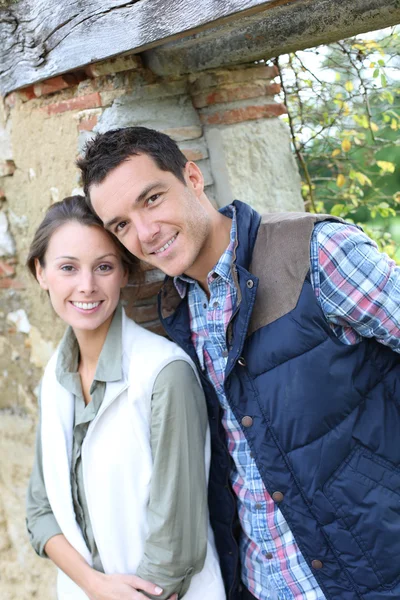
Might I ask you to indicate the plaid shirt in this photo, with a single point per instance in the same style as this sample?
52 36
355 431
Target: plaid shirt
352 282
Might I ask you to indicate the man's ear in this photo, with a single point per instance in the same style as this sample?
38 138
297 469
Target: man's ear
194 177
40 275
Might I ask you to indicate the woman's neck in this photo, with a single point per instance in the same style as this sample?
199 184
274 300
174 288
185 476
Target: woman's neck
90 344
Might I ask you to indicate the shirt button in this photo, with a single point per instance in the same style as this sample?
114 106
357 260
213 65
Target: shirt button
277 497
250 283
317 564
225 353
268 555
241 361
247 421
215 304
258 506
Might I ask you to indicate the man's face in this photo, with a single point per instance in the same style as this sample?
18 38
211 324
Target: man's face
158 218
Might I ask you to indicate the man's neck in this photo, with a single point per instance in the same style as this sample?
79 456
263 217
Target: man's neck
215 245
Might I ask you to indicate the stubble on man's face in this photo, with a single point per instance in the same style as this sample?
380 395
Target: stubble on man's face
159 219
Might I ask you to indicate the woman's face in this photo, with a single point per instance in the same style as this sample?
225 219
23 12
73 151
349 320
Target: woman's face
83 274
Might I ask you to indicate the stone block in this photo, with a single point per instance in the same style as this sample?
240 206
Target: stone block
194 150
114 65
80 103
232 92
252 161
180 134
208 79
7 245
7 283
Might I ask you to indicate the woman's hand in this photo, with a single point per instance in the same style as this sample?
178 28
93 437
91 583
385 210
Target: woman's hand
121 587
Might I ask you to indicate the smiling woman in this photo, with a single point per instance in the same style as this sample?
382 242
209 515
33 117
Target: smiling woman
115 401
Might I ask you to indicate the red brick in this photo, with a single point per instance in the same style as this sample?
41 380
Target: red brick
245 113
7 167
5 269
88 124
2 194
155 327
11 99
26 93
13 284
235 92
144 290
80 103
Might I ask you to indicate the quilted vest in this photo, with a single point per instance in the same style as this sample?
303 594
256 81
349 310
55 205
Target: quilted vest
322 418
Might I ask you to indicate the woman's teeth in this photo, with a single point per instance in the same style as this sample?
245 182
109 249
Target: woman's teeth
166 245
86 305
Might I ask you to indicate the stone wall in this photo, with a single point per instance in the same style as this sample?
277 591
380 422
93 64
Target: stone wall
225 120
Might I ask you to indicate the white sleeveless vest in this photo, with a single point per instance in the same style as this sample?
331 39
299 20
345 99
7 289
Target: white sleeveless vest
117 464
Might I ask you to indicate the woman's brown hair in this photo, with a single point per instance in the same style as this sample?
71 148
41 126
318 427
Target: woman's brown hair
74 208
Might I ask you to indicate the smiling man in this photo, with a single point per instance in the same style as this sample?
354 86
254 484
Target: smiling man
293 321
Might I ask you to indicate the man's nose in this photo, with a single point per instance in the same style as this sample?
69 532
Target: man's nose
147 229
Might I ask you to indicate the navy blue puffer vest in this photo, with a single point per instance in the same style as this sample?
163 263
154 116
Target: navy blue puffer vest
324 429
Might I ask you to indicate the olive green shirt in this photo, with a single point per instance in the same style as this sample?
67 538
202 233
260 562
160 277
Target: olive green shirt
177 514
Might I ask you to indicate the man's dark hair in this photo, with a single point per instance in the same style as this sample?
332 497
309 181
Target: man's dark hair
108 150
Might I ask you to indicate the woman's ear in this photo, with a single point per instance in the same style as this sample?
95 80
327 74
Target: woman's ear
41 275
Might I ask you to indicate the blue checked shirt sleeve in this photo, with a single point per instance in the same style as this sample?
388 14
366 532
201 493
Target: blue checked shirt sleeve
358 287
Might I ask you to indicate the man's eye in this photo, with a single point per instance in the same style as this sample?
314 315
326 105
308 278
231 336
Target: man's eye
152 199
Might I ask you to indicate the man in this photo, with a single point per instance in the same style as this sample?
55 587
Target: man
293 321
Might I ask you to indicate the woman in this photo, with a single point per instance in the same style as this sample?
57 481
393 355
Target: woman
118 489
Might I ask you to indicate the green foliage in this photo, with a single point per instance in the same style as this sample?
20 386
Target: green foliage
344 115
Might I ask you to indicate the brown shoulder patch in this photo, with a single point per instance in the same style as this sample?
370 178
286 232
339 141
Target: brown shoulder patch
281 260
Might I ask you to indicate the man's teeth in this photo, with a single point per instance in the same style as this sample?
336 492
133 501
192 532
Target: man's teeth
166 245
86 305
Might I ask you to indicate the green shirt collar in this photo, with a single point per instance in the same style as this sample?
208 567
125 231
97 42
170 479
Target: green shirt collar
109 365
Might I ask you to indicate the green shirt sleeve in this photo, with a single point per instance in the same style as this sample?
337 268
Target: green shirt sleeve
40 520
176 545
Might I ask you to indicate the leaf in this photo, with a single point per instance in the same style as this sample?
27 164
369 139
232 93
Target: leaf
386 166
338 209
346 145
374 127
340 181
383 80
375 74
362 178
348 86
336 152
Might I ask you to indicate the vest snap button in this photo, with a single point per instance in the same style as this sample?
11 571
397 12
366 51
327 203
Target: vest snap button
277 497
241 361
317 564
250 283
247 421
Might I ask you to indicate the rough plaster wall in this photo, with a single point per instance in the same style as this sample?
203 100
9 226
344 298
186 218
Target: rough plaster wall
44 151
256 152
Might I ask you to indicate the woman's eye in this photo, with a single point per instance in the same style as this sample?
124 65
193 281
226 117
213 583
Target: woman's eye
67 268
104 268
152 199
120 226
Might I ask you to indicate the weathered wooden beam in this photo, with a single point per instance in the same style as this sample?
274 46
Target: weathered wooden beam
281 28
44 38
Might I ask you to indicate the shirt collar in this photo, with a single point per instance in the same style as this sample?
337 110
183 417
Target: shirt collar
109 365
222 267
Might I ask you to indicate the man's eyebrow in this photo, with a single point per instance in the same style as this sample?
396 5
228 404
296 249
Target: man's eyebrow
150 187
